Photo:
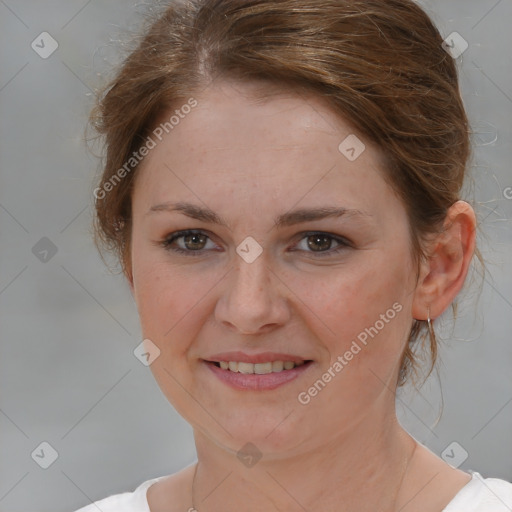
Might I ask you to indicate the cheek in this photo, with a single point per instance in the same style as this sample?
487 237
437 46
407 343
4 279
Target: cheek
346 300
164 295
366 311
362 314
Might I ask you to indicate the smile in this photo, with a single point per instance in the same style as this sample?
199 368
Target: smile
258 368
257 376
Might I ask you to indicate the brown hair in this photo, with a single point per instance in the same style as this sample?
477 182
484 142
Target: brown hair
379 64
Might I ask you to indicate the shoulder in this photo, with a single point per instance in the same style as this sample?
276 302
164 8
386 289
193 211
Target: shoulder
482 495
135 501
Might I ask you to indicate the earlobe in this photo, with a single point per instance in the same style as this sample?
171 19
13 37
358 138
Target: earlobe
444 272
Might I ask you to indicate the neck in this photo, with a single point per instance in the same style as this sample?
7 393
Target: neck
363 469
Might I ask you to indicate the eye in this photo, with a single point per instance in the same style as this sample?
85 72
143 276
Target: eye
193 242
320 243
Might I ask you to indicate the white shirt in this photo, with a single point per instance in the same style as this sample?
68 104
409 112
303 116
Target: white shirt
478 495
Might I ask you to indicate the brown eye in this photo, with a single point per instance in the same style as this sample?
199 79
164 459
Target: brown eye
195 241
192 243
321 244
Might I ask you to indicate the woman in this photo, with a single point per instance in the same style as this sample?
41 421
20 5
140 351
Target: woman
281 187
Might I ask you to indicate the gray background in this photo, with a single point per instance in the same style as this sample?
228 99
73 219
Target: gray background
68 375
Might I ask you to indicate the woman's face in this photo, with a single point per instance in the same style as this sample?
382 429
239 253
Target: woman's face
333 290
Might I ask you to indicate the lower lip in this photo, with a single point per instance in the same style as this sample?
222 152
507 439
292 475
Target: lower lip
257 382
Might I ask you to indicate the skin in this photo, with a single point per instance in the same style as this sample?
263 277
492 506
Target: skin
250 161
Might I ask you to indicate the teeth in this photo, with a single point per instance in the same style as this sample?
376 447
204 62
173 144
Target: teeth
245 368
259 368
277 366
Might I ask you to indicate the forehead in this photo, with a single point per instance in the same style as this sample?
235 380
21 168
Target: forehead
261 117
238 138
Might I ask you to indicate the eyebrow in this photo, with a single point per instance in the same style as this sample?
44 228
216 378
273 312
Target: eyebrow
286 219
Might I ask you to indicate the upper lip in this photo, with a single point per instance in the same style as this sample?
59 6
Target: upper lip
262 357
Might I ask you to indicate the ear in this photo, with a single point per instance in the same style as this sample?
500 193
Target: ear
443 273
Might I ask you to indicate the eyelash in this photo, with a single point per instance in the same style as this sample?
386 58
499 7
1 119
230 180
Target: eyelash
167 243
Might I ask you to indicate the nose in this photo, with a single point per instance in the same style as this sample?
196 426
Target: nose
252 300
